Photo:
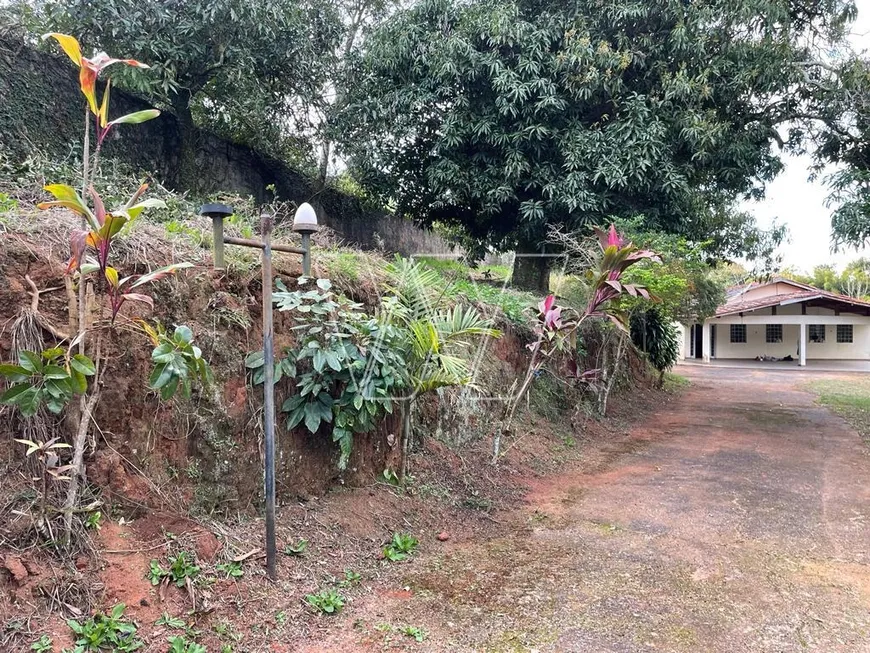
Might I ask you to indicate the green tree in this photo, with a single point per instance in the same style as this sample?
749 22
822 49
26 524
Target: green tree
838 120
246 68
509 116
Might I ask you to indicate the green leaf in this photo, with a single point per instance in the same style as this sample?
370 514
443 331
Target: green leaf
68 197
160 376
15 373
135 118
168 390
30 361
78 382
53 353
254 359
183 334
83 365
11 396
28 401
54 372
312 417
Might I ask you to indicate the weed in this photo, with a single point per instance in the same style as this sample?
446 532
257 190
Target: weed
186 232
674 382
102 632
193 471
297 549
413 631
93 520
181 568
179 644
232 569
281 618
326 601
43 645
7 204
170 621
351 578
476 502
390 477
400 547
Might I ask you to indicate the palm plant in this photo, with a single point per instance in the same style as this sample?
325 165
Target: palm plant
436 336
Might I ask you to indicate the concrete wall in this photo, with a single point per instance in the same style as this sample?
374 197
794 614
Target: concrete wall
778 288
756 344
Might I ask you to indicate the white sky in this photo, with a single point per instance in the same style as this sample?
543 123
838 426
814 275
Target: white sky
800 204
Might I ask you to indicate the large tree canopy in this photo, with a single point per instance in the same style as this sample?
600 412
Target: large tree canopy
247 69
506 116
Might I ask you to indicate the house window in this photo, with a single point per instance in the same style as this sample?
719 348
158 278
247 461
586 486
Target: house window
844 333
738 333
773 333
817 333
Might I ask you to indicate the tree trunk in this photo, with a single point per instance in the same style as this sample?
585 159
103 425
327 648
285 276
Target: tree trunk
611 375
531 270
185 176
407 436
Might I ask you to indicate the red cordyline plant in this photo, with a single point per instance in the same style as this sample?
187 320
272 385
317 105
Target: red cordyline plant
89 71
557 327
99 228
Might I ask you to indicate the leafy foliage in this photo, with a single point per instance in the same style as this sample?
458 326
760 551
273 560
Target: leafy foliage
853 281
181 568
327 601
232 569
177 361
106 632
505 117
653 333
345 365
400 547
43 645
433 334
49 378
180 644
296 549
240 67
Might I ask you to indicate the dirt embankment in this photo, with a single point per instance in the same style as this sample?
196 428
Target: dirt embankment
153 464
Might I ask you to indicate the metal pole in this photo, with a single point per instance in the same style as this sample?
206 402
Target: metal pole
306 257
217 231
268 395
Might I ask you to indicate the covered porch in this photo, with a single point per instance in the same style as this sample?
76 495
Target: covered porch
810 329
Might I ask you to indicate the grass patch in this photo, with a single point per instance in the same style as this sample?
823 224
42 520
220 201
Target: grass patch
483 285
849 398
675 382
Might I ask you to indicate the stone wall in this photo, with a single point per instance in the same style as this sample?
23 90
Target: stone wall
42 109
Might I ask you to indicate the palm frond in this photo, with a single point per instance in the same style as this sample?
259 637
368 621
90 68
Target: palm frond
454 324
417 287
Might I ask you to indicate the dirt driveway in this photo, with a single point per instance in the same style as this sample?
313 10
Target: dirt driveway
736 519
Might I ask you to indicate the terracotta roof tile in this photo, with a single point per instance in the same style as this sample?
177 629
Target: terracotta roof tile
736 305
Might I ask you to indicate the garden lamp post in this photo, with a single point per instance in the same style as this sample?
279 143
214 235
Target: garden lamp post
217 213
305 223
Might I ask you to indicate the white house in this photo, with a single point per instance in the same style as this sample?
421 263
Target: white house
781 318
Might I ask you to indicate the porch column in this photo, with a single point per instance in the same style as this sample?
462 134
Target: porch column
803 344
705 342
